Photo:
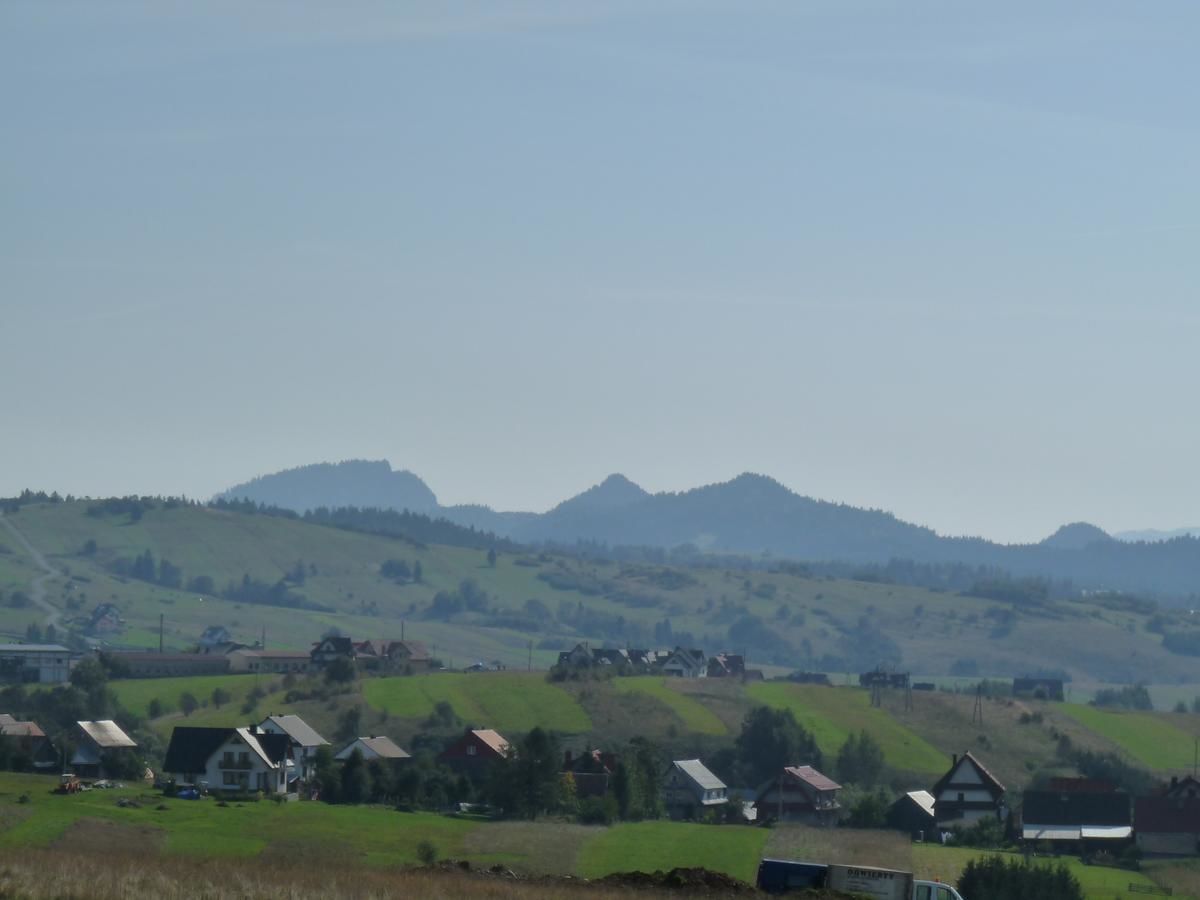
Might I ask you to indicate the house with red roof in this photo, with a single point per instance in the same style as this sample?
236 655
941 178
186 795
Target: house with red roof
798 794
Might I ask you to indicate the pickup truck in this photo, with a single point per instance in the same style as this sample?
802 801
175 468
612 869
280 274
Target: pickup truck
778 876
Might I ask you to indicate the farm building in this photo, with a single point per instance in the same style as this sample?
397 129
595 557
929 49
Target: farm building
274 662
34 663
690 789
230 759
328 649
170 665
373 748
304 738
1168 823
1078 820
913 813
967 793
798 794
96 743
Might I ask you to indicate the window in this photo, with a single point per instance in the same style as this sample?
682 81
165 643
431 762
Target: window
943 894
961 796
923 892
470 749
230 779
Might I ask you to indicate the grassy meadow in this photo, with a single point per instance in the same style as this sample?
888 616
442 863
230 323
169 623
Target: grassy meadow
833 714
692 715
507 701
1149 738
342 574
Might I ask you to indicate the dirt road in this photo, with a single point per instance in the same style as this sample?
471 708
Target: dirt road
37 585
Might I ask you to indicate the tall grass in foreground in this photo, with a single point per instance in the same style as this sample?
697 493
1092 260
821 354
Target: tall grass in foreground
66 875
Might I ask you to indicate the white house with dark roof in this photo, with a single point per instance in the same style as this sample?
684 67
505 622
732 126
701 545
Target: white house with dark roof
304 738
690 789
967 793
381 747
234 760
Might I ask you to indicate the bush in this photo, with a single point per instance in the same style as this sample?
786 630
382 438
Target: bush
427 853
597 811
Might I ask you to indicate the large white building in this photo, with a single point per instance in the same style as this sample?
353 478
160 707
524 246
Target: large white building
43 663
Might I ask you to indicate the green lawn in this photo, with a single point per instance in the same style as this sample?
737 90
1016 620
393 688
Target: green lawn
135 694
1145 736
512 701
833 714
649 846
694 715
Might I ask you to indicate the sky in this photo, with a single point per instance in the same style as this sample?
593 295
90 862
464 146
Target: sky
930 257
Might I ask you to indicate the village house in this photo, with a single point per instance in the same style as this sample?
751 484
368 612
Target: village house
1077 821
140 664
727 665
304 738
685 663
373 747
798 794
328 649
104 619
392 655
913 813
591 771
967 793
34 663
690 790
237 760
96 743
27 744
1167 823
477 748
269 662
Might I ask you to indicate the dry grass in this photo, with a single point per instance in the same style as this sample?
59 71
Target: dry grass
1181 876
889 849
530 847
59 875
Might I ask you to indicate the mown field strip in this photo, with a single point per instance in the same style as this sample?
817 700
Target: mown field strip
1146 737
513 701
695 716
833 714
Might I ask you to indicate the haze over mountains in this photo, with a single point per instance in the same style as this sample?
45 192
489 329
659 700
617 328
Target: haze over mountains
751 514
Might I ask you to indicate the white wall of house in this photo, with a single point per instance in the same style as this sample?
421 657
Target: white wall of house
251 772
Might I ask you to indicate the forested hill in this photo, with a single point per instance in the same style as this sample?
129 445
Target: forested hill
753 515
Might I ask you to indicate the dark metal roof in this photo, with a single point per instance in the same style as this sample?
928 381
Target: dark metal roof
1054 808
1164 815
191 747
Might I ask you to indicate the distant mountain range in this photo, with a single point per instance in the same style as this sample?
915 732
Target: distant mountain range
751 514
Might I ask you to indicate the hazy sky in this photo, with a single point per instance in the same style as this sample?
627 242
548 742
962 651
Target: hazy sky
927 257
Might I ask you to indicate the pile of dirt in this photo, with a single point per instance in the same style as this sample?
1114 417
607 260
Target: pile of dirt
694 881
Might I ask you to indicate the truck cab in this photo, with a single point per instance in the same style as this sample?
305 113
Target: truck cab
933 890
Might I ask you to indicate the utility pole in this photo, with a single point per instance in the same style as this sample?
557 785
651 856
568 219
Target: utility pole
977 712
160 632
531 656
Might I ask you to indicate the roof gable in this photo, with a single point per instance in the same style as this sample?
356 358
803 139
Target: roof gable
191 748
696 772
967 770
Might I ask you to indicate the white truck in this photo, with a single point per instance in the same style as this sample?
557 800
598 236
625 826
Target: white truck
778 876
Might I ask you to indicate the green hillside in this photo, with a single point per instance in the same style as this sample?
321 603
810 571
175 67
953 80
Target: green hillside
528 606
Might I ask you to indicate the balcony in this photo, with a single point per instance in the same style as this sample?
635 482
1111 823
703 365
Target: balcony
234 764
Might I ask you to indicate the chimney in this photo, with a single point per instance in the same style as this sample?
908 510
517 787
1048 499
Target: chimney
954 759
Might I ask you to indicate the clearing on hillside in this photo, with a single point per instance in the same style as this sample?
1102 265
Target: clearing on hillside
695 716
1145 736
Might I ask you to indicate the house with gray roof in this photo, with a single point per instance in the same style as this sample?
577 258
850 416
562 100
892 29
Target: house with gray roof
690 790
30 663
304 738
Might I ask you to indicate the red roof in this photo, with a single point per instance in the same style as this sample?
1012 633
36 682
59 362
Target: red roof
1165 815
812 777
